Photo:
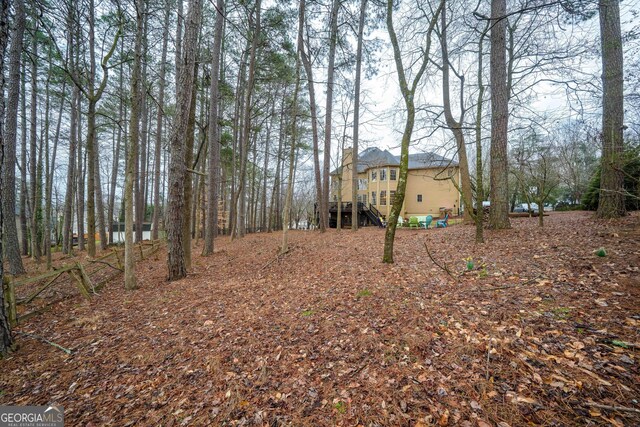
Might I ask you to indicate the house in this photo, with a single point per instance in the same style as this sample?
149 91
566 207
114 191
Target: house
430 187
118 231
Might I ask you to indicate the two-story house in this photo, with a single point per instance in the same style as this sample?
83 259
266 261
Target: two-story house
429 184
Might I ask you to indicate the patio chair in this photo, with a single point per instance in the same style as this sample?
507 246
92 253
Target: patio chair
413 222
427 221
442 223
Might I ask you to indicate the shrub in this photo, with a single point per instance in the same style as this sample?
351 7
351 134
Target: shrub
631 168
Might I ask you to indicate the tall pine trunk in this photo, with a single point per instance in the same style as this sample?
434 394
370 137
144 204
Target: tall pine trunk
356 120
12 249
33 153
134 141
159 121
499 212
177 168
326 166
6 339
240 196
611 197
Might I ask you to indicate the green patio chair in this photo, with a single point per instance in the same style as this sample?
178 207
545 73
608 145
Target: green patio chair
413 222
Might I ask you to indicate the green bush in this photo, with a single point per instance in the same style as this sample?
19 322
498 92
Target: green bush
631 183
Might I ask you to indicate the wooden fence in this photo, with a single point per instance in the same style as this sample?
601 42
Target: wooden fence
88 278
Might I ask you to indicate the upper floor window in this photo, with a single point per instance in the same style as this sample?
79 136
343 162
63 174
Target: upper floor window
374 175
393 173
383 198
383 174
419 198
362 184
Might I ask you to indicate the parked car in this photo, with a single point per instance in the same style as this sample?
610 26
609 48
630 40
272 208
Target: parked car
524 207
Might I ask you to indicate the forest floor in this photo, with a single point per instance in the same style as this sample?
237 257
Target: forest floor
540 331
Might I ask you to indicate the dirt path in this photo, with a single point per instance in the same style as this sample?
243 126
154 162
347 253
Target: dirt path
537 333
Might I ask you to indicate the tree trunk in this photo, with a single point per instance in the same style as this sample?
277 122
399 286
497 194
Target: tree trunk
134 141
455 126
314 121
12 249
284 248
326 166
177 168
264 225
188 178
408 93
213 135
80 175
67 230
499 212
50 168
24 191
140 160
116 158
275 195
478 134
356 120
240 197
160 116
611 197
33 152
6 339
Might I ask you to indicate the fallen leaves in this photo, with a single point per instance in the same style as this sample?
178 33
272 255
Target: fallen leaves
328 335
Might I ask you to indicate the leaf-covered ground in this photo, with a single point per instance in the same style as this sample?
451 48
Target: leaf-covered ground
540 331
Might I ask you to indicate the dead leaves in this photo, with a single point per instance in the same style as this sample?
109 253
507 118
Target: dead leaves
293 344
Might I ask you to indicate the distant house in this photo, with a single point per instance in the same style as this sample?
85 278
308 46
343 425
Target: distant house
428 191
118 231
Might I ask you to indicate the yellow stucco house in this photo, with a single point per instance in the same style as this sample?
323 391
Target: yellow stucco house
429 188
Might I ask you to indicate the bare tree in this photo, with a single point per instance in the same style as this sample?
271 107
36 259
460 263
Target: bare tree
455 126
408 92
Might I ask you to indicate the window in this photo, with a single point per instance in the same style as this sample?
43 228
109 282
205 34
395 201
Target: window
383 174
362 184
373 197
392 196
374 175
419 198
383 198
393 174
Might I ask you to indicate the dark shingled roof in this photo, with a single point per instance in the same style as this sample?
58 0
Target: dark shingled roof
375 157
428 160
372 157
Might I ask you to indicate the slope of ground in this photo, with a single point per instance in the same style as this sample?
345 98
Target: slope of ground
540 331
